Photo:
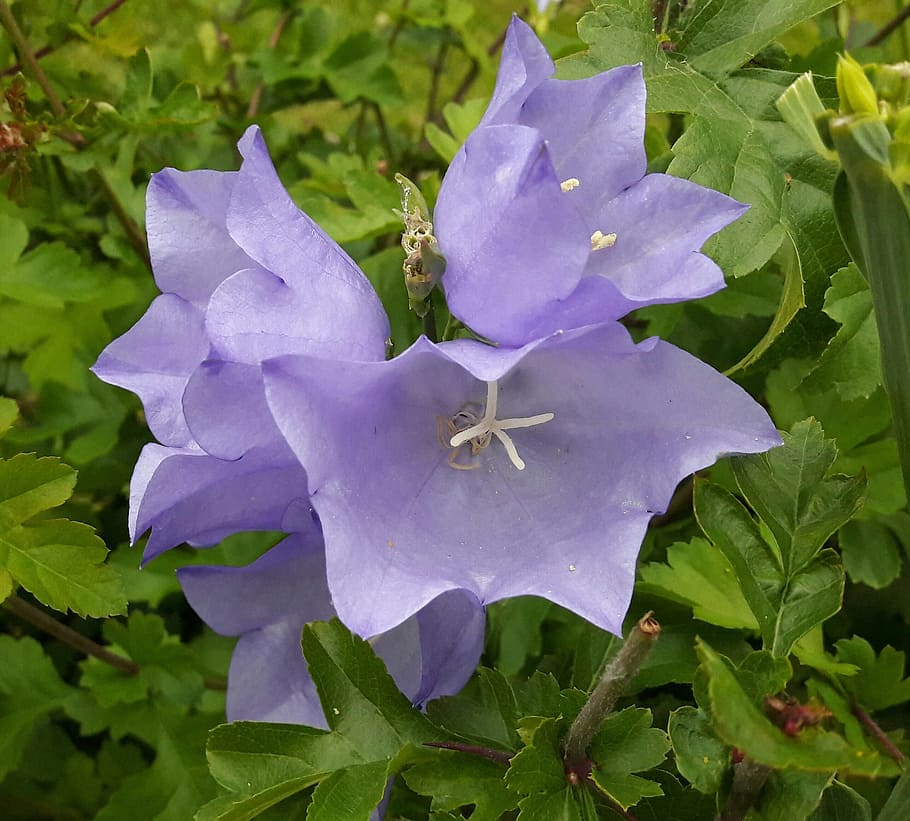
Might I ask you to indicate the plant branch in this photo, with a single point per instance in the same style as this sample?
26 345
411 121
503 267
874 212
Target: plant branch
474 70
889 28
256 98
66 635
27 56
45 50
618 673
133 231
749 778
34 616
494 755
875 731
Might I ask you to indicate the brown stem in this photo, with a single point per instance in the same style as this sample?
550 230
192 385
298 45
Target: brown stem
255 100
474 70
41 620
133 232
749 779
28 57
875 731
618 673
435 75
45 50
383 132
889 28
399 24
38 618
494 755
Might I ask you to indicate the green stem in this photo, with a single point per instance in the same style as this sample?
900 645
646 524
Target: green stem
8 21
617 675
429 321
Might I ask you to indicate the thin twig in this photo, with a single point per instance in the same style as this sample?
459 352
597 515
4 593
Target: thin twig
384 137
49 49
877 732
399 25
749 779
256 98
28 57
435 75
38 618
474 70
889 28
133 232
494 755
41 620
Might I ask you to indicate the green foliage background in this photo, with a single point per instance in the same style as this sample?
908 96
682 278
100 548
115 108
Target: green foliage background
785 573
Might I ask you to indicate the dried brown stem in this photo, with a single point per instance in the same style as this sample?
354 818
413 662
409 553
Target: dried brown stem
474 749
877 732
474 70
889 28
256 98
27 56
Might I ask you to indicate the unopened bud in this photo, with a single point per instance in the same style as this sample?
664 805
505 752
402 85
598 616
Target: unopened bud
857 96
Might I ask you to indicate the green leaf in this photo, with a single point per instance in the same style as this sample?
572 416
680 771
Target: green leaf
30 689
360 700
555 806
897 807
701 757
788 488
740 723
538 767
515 630
871 553
29 485
455 779
880 682
719 37
625 744
9 413
485 712
841 803
698 574
790 794
350 794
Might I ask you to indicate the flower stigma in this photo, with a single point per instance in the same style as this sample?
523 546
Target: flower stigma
466 427
600 240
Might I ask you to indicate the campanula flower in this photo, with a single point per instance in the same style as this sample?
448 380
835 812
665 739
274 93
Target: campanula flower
268 602
547 217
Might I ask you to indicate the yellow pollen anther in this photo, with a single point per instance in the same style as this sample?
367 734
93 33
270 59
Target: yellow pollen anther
482 432
570 184
600 240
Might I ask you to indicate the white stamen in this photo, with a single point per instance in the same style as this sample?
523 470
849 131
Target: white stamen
489 426
570 184
600 240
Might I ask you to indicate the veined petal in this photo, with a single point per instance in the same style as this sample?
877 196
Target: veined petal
185 495
524 65
660 224
189 245
595 131
568 527
286 583
513 249
154 360
263 220
225 408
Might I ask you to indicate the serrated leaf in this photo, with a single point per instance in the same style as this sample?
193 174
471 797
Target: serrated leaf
30 485
739 723
456 780
61 563
788 488
484 712
871 553
626 743
879 682
538 767
698 574
852 361
790 794
350 794
30 689
701 757
557 806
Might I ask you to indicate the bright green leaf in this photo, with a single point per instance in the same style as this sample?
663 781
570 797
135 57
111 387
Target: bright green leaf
701 757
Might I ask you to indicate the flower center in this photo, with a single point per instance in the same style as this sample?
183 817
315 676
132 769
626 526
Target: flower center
465 427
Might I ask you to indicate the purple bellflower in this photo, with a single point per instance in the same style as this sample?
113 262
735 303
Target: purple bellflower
431 654
546 216
246 276
535 466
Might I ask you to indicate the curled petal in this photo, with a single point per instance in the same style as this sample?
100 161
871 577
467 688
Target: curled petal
189 245
154 360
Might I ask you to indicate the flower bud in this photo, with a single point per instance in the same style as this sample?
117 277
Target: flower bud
857 96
